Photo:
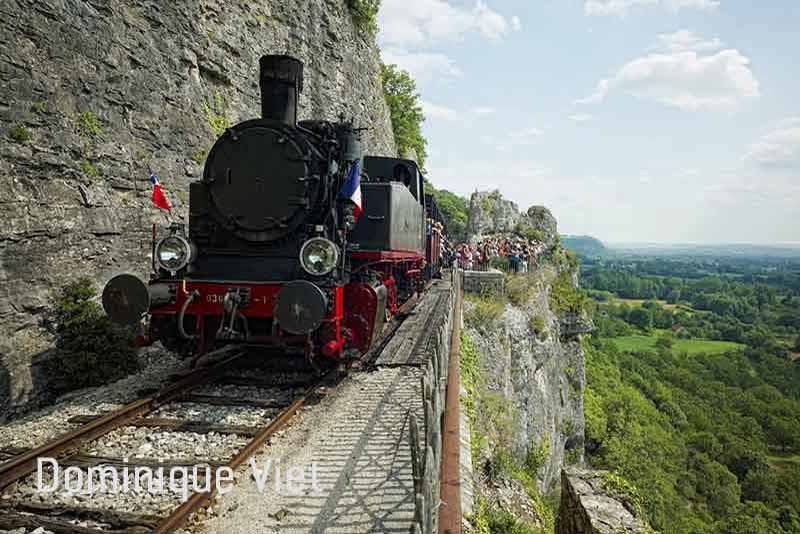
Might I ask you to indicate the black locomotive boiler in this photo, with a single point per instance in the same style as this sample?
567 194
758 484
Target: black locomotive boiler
274 255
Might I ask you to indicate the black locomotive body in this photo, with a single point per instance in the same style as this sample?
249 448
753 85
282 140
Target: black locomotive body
274 255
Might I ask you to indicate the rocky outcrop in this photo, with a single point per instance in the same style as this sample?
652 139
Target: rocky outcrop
490 213
540 219
92 91
588 506
540 373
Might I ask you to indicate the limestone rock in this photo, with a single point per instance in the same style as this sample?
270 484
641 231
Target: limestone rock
490 213
106 88
587 507
541 219
541 376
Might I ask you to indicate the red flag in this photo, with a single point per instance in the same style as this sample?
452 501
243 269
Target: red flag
159 200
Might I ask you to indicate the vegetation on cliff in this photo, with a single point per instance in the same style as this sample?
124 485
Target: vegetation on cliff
90 348
709 438
365 15
400 91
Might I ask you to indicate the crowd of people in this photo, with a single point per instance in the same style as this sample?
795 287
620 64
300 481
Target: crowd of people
515 253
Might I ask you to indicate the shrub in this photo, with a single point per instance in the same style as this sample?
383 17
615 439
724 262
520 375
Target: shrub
87 124
88 169
619 488
20 134
216 116
530 233
365 15
90 349
564 297
199 157
484 312
39 106
518 289
536 324
537 455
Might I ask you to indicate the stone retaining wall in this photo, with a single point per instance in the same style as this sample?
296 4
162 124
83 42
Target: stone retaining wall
479 282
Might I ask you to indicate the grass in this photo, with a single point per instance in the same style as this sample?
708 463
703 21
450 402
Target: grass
20 134
784 461
639 302
639 343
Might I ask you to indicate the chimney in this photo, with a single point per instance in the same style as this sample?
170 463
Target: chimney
281 82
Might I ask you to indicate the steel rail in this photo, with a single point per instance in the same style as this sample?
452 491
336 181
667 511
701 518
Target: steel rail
25 463
181 515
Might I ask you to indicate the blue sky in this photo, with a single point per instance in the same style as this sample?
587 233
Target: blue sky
632 120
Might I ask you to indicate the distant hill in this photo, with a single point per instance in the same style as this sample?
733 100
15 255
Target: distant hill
584 245
722 250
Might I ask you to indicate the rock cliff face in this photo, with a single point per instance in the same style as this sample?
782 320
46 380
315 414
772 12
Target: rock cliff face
92 91
539 371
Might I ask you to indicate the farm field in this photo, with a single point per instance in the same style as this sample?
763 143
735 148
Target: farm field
638 302
691 346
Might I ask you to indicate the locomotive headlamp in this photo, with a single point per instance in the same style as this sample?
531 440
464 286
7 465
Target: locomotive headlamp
173 253
319 256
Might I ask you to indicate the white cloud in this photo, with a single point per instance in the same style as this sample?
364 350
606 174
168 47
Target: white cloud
580 117
424 66
416 22
603 8
514 139
438 112
613 7
685 41
482 110
779 148
681 76
700 5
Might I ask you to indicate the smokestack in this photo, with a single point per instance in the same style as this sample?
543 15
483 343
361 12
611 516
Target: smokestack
281 84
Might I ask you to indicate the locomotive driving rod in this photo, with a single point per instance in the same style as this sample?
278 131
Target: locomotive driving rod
24 464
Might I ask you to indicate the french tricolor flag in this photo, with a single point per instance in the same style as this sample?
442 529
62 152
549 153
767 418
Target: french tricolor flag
159 200
351 189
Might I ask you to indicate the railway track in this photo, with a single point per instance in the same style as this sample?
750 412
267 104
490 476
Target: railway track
82 447
277 398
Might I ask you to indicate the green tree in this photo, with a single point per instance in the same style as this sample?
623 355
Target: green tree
454 209
641 317
664 342
400 92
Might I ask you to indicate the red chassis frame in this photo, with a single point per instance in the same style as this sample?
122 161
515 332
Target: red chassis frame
207 306
339 328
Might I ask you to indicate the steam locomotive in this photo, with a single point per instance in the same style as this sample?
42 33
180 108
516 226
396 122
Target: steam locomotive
274 256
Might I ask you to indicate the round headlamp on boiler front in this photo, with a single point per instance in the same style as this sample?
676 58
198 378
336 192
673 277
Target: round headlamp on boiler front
173 253
319 256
